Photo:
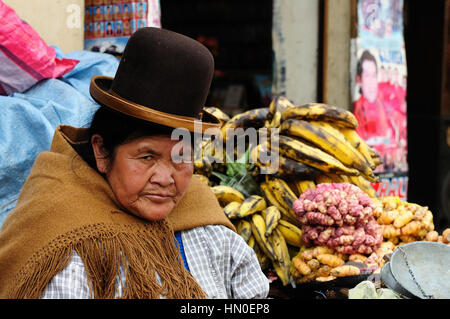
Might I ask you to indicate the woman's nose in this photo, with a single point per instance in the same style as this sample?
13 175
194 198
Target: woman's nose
162 174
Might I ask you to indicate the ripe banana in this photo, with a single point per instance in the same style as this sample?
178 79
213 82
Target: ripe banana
340 148
282 166
258 231
321 112
291 233
283 263
312 156
303 185
252 118
271 199
283 194
244 229
227 194
251 205
232 209
272 216
323 178
218 113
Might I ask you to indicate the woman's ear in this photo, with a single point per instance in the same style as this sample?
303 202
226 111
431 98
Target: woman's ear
100 153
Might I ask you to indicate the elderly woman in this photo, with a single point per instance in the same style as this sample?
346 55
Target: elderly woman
109 213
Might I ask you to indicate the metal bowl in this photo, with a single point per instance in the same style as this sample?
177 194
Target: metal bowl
390 282
423 269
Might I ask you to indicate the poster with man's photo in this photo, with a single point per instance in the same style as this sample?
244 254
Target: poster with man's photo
379 90
108 24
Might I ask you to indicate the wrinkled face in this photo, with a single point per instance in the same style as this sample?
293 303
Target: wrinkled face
143 176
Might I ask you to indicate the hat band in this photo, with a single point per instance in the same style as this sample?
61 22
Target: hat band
118 103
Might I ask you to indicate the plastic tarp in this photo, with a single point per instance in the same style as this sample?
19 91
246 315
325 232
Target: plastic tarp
28 120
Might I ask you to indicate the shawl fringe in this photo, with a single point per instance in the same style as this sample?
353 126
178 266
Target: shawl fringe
107 249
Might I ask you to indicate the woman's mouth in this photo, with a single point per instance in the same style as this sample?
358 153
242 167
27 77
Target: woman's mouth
159 197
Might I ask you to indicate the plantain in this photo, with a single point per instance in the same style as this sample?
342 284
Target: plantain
299 151
258 230
303 185
218 113
244 229
321 112
278 105
291 233
252 118
251 205
272 216
272 200
282 166
323 178
227 194
283 194
328 140
231 209
283 263
353 137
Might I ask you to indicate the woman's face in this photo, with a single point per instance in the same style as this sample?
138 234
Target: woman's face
143 176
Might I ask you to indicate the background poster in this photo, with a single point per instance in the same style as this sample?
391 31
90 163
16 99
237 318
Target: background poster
109 23
379 89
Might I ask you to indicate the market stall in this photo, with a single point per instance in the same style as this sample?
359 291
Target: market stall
314 218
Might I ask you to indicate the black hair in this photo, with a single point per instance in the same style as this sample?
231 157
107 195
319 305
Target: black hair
116 128
365 56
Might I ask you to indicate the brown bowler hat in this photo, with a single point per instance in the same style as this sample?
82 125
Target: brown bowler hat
163 77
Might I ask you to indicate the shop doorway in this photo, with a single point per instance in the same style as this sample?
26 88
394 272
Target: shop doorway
239 35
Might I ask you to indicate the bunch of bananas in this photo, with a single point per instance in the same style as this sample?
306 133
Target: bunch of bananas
318 143
264 227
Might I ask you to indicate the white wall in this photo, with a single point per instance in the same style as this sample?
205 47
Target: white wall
296 44
58 22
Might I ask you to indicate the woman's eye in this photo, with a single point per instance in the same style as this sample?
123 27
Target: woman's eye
147 157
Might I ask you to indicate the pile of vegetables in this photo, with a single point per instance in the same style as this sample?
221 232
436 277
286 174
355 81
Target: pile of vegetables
339 216
404 222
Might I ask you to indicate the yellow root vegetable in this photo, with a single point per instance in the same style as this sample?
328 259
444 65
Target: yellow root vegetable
357 257
432 236
446 236
320 250
389 231
405 217
301 266
313 264
330 260
344 271
412 228
325 279
323 271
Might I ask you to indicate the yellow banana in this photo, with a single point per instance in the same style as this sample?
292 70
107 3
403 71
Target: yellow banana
251 240
282 166
283 263
252 118
321 112
291 233
323 178
328 140
227 194
272 216
303 185
364 184
312 156
244 229
251 205
271 199
258 231
353 137
283 193
218 113
232 209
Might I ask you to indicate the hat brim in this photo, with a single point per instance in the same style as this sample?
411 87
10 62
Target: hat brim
100 90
